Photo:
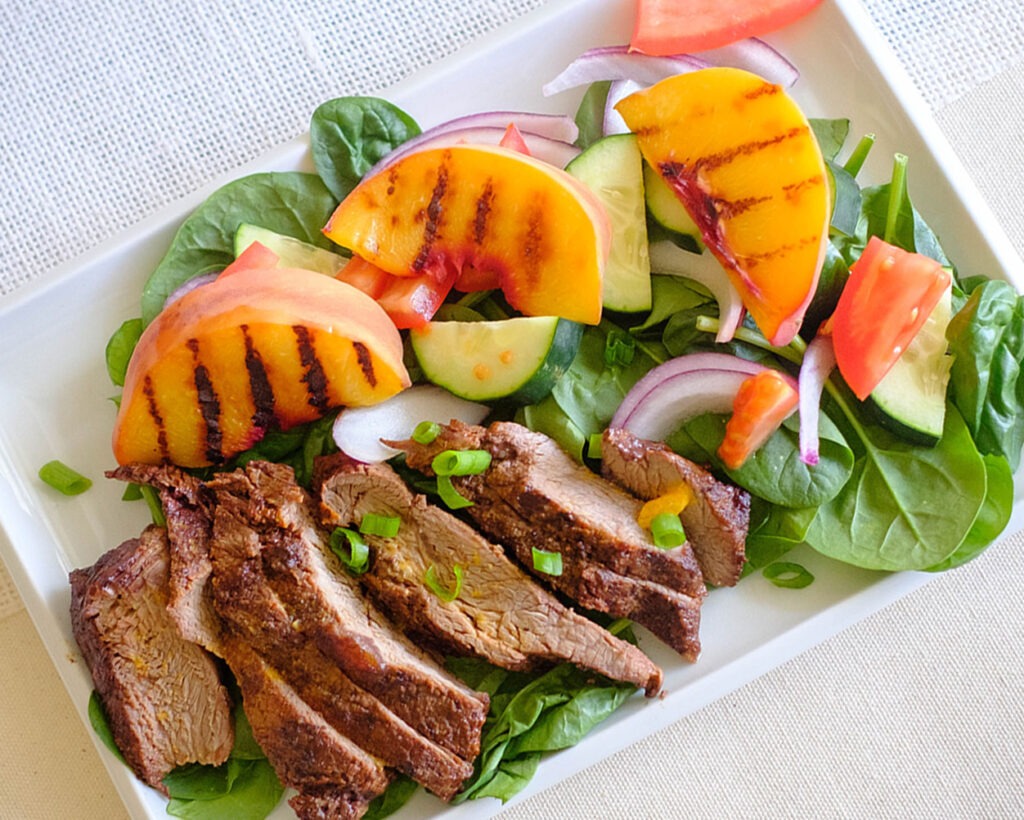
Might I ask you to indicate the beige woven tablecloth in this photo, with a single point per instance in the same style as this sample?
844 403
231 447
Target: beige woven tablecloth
110 110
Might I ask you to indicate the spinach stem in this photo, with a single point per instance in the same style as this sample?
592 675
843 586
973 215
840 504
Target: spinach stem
860 153
897 194
793 352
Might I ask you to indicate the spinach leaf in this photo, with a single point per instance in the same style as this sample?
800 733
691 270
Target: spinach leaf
397 795
777 530
992 518
669 295
986 339
590 114
293 203
348 135
253 791
584 400
846 200
775 471
905 506
101 724
120 348
530 716
831 135
834 273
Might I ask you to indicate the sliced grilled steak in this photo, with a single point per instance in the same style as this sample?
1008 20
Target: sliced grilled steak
672 616
534 495
186 505
162 694
501 615
245 596
716 521
334 777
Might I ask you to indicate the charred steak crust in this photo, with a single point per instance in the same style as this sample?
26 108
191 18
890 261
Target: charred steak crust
162 694
716 521
187 509
535 495
245 527
502 615
334 777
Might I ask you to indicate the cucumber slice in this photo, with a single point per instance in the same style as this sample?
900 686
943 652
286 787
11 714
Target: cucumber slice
911 398
612 169
292 252
516 360
666 209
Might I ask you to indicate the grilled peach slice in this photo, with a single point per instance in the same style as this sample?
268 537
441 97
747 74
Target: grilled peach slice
257 349
494 217
741 157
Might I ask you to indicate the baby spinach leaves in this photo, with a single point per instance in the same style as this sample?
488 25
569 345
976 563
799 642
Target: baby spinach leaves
295 204
348 135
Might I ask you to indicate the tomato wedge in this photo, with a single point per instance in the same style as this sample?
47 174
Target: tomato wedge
409 301
762 403
886 301
673 27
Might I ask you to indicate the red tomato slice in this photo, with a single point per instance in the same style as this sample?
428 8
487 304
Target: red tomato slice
762 403
409 301
886 301
674 27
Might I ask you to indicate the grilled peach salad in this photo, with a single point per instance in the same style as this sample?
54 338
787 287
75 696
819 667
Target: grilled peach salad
686 277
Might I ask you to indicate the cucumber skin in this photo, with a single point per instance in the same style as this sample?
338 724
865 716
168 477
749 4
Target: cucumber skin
565 343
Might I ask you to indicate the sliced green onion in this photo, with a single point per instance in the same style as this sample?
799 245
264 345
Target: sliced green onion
550 563
594 445
63 479
426 431
452 498
619 348
787 575
461 462
351 550
667 530
386 526
440 590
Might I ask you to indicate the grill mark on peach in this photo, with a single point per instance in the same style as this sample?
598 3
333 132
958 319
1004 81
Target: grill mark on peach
434 212
751 260
730 208
313 375
765 89
794 189
532 249
711 162
158 419
483 212
365 359
209 406
260 389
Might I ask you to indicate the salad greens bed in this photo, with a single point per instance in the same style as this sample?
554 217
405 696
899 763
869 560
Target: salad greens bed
873 500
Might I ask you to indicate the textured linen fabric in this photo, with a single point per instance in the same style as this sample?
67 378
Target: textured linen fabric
111 110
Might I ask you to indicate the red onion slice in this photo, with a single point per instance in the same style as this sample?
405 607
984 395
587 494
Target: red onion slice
619 63
756 56
190 285
557 129
358 430
669 258
613 122
679 389
819 361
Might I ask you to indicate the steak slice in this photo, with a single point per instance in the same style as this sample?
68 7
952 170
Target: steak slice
532 474
717 519
186 505
672 616
162 694
246 600
329 609
534 495
334 777
501 615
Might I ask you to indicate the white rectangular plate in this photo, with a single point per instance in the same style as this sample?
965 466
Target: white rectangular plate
55 395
